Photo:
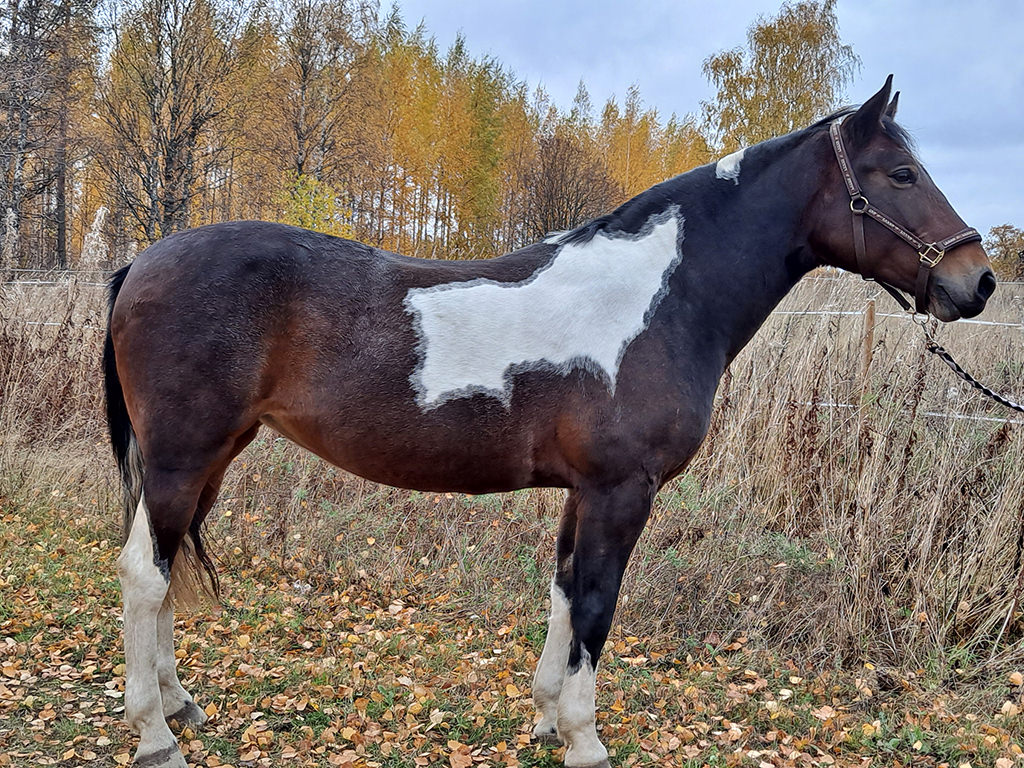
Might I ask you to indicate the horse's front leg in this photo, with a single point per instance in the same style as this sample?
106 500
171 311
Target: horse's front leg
609 522
547 682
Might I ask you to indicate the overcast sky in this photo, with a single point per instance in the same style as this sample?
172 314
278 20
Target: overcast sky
958 64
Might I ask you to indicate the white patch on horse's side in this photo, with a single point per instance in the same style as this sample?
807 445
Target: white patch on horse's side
581 310
729 166
576 716
547 682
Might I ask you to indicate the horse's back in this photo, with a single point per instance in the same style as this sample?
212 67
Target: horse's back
256 255
234 259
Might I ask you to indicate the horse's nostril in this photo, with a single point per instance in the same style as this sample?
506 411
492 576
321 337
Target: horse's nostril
986 285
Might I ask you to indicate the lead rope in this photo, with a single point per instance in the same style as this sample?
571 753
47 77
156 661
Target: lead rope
939 351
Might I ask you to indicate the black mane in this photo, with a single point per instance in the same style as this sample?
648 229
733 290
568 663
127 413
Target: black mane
632 214
892 129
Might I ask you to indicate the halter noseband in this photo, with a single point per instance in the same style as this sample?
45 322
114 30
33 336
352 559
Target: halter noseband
929 254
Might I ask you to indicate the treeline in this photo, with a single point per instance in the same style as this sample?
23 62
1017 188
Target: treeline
122 123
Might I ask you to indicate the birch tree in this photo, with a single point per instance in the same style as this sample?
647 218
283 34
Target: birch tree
170 81
792 71
43 48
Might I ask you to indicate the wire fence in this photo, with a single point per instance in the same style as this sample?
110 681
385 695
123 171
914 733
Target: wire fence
97 278
73 279
890 315
93 278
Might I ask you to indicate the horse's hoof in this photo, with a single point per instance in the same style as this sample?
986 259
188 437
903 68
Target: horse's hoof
571 759
547 739
189 716
170 757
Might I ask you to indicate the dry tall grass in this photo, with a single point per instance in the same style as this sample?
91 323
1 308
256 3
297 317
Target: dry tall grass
835 517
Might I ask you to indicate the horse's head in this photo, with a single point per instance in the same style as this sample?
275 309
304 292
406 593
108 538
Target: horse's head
904 232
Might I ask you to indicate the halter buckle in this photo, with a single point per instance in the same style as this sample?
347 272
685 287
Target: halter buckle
859 200
927 259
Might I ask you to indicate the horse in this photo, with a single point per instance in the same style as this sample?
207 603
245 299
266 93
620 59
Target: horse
588 361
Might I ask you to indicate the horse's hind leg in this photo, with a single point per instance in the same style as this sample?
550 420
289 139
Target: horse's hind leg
547 682
144 569
178 706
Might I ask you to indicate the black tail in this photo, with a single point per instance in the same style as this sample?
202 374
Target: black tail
195 559
122 435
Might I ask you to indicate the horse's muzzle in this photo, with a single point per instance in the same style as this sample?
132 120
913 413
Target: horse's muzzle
965 297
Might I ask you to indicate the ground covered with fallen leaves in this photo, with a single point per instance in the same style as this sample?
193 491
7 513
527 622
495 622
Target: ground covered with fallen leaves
297 668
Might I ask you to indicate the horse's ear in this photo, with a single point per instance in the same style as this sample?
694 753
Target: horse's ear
865 122
890 111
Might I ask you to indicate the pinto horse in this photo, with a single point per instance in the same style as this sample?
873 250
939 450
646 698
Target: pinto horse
588 361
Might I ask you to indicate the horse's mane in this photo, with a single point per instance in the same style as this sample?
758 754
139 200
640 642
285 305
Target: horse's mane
892 129
632 214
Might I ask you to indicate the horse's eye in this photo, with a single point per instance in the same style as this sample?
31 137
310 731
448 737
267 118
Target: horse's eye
904 177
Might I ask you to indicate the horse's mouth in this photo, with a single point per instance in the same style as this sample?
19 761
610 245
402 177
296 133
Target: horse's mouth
947 309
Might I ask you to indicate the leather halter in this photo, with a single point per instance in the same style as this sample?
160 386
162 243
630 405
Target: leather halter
929 254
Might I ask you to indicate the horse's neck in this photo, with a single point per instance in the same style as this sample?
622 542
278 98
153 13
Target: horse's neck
740 259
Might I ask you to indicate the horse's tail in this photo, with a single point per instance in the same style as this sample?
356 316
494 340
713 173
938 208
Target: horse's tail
122 434
193 563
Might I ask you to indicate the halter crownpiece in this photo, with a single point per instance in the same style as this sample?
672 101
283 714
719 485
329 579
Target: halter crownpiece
929 254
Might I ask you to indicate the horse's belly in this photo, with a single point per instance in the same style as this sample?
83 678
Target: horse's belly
418 458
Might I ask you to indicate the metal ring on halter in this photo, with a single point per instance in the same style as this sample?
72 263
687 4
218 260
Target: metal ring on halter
931 261
922 319
859 199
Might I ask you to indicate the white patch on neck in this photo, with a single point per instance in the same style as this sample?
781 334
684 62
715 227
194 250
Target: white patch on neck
581 310
729 166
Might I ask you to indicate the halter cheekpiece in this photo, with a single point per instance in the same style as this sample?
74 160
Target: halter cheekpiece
929 254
